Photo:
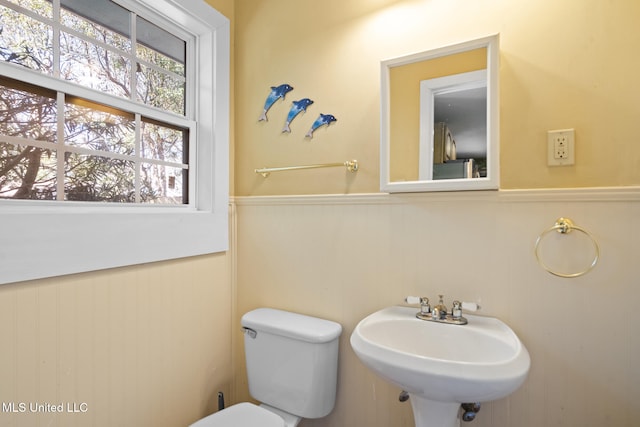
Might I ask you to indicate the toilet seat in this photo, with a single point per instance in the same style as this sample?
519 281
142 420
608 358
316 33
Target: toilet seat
241 415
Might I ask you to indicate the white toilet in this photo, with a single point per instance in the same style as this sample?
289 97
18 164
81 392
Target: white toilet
292 367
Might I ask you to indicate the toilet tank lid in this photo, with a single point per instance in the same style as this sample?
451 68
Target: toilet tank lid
292 325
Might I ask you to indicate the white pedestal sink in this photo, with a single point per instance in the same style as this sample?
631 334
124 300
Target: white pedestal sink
441 366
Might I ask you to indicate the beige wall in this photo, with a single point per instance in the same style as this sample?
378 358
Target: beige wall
145 345
563 65
344 257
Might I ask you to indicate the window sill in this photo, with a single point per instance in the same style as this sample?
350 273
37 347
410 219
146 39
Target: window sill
54 242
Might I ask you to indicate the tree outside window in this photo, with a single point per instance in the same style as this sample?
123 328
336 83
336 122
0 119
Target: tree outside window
56 145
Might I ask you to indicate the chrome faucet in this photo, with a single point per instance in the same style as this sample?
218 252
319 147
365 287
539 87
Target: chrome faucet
425 308
440 310
439 313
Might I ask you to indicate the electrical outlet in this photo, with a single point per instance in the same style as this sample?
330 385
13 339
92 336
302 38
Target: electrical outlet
561 147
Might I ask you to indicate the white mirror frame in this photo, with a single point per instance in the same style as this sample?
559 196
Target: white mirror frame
492 181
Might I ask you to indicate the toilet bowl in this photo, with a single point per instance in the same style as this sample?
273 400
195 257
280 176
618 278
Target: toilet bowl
292 368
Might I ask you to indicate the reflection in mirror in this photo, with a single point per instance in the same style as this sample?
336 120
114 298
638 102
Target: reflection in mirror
439 119
453 120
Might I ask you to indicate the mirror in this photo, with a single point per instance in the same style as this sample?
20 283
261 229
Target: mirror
439 119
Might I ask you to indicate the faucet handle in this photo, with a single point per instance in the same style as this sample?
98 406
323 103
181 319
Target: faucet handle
425 308
456 311
470 306
458 306
412 300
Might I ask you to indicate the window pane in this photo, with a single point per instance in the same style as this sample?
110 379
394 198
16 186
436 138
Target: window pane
167 52
41 7
92 66
156 39
25 114
163 143
88 127
156 58
25 41
163 184
99 179
27 172
110 27
160 90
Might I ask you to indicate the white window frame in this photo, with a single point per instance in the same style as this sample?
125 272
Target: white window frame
41 239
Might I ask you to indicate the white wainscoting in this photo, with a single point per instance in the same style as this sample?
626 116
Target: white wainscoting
342 257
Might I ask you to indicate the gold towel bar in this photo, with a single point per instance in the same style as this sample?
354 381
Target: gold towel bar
351 165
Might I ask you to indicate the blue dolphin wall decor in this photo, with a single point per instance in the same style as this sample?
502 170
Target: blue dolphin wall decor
323 119
277 92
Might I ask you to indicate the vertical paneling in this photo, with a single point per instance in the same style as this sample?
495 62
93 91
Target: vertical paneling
343 258
27 350
9 350
143 345
150 345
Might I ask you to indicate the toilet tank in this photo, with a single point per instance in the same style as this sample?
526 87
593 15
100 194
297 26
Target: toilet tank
292 361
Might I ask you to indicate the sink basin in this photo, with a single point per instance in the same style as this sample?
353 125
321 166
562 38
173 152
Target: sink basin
441 365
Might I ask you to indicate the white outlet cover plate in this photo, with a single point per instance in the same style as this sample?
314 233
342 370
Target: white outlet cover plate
552 136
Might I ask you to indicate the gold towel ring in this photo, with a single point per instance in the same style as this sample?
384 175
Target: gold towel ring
565 226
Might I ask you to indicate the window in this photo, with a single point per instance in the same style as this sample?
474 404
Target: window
113 133
90 149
